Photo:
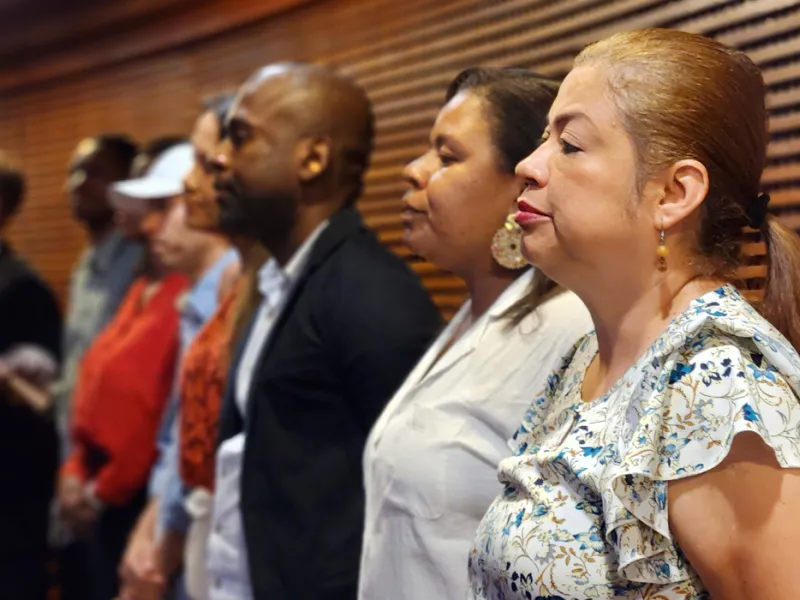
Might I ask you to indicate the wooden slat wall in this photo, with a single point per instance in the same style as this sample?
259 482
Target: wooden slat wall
404 53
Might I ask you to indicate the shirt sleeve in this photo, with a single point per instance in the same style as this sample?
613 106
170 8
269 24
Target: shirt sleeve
172 513
129 440
36 317
167 436
706 397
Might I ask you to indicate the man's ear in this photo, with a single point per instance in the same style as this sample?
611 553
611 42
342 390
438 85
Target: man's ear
314 156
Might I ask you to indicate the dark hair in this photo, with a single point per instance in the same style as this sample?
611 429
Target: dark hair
120 148
220 105
12 187
684 96
517 102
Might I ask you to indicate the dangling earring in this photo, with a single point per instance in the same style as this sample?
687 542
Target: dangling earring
662 251
507 245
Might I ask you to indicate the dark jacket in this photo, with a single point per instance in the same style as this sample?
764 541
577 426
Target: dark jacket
29 314
355 324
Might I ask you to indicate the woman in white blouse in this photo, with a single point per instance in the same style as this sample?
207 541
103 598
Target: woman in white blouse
431 459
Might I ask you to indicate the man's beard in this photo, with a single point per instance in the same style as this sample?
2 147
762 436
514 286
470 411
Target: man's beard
266 218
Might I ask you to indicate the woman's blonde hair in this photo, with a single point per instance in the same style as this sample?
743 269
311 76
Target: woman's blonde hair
684 96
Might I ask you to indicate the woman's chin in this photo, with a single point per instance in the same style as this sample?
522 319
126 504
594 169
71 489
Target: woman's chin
534 253
414 240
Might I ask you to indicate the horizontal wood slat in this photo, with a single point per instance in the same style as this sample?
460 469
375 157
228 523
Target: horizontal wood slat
149 81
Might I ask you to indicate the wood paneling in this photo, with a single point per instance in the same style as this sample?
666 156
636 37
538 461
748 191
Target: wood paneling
147 78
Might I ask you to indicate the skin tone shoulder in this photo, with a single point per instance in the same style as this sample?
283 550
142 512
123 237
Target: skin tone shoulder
592 223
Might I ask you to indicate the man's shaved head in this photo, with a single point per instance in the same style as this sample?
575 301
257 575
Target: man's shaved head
320 103
295 127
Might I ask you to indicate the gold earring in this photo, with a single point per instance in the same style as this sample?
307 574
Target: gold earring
507 245
662 251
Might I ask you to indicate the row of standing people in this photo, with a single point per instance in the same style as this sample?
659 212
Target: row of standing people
678 366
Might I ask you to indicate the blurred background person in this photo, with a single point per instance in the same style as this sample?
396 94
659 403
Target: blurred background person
129 222
203 375
155 551
431 460
122 390
105 270
205 367
341 322
30 348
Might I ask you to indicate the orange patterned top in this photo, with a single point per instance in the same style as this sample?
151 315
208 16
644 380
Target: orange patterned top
204 373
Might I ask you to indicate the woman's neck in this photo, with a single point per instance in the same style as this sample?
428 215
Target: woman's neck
627 322
485 287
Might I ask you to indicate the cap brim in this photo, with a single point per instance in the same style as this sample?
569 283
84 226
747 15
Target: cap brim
131 195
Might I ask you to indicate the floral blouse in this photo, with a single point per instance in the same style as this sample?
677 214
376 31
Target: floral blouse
584 509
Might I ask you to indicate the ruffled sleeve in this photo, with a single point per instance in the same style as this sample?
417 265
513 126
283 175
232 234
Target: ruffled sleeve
682 424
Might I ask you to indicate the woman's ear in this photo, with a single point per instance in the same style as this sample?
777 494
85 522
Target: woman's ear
683 188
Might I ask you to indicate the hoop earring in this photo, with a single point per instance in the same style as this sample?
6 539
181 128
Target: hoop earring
507 246
662 251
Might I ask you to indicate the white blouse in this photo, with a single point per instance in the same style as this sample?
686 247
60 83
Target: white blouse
430 463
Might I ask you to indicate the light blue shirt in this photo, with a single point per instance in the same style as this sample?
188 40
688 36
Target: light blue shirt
199 304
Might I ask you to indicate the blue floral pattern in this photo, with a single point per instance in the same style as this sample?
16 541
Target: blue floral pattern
584 510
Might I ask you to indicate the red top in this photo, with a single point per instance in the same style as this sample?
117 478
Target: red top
124 382
204 372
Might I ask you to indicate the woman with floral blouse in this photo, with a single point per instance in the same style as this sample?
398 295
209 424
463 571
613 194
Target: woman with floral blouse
661 461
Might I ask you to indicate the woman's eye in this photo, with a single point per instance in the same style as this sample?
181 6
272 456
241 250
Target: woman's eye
446 160
567 148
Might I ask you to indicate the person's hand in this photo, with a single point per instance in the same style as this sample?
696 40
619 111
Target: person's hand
76 507
143 589
33 364
141 576
171 551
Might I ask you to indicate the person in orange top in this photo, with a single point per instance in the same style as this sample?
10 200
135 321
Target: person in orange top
150 560
132 362
124 382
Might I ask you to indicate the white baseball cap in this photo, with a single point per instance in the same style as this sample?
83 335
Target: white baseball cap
164 179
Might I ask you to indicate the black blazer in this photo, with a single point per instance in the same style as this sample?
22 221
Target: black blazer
356 323
29 314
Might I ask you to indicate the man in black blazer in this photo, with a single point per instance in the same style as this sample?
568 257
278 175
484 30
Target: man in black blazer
30 344
342 322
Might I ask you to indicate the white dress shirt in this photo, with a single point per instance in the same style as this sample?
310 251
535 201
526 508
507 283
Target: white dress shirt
430 463
226 557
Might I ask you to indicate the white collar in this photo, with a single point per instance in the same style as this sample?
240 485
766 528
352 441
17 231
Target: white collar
271 276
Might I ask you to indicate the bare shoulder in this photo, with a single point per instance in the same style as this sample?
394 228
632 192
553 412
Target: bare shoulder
739 523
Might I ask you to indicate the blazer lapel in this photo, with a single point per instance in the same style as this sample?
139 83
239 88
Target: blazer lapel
342 226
